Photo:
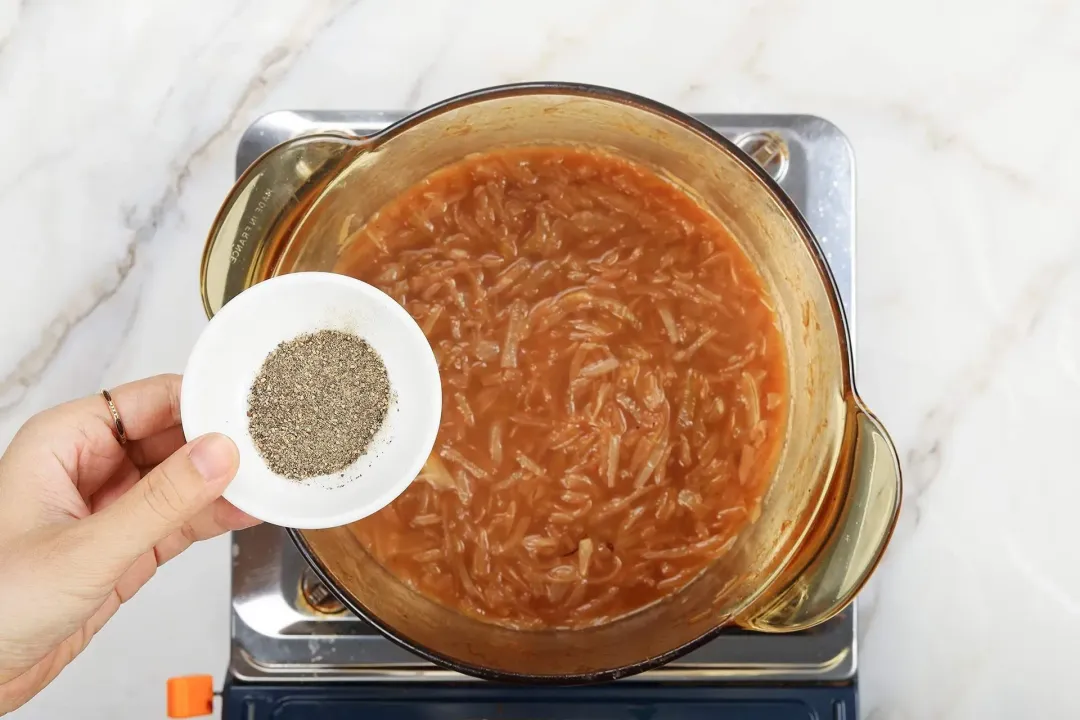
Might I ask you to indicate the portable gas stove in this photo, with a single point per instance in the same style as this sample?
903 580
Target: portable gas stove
297 653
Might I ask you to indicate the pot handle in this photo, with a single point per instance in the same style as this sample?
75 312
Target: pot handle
270 196
855 543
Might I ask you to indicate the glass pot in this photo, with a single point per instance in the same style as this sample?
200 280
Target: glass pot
835 494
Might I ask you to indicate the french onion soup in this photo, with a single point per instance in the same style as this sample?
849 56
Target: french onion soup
614 385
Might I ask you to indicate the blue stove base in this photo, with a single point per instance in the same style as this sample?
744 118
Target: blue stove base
486 701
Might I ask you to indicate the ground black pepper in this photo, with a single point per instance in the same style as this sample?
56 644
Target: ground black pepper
317 402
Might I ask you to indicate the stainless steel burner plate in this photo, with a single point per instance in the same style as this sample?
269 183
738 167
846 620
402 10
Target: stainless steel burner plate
278 635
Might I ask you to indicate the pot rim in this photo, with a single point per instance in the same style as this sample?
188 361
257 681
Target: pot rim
794 216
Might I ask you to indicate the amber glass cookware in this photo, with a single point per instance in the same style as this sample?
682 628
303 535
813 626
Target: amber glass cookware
834 498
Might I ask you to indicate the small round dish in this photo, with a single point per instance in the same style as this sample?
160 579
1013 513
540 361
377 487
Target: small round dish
229 354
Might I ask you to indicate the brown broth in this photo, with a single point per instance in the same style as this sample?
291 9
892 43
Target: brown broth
614 389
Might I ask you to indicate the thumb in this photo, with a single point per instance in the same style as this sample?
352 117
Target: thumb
169 496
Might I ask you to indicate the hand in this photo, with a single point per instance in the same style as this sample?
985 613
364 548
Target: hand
85 522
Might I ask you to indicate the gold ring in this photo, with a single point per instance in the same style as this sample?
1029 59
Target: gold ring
121 434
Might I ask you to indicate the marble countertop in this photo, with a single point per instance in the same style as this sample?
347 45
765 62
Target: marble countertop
118 126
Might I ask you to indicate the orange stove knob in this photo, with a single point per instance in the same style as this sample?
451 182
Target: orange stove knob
190 696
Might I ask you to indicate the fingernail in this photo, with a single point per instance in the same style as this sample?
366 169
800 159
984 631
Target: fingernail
213 455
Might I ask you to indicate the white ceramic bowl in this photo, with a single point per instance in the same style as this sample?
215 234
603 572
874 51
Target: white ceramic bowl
229 353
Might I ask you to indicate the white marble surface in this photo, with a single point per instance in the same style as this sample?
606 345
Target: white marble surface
118 124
